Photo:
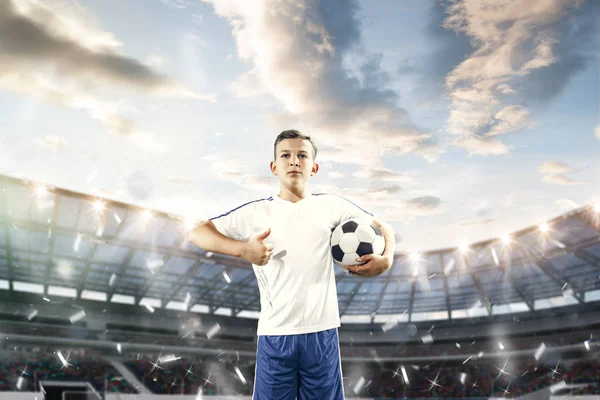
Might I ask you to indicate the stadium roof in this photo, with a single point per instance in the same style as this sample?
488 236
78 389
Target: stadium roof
59 243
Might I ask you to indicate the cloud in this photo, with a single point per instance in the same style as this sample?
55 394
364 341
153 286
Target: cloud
482 209
195 39
554 171
421 205
393 210
230 167
156 61
430 70
509 119
373 196
597 131
575 51
60 42
558 167
393 189
566 204
51 142
298 51
510 199
176 3
382 175
558 179
71 95
52 21
113 122
225 162
246 86
478 222
197 18
108 113
250 181
182 180
138 185
514 42
505 89
259 182
147 142
481 145
66 60
346 155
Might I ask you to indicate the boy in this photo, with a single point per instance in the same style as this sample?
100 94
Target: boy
286 238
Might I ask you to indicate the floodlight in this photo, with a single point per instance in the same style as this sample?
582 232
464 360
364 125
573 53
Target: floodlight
147 215
189 223
98 205
41 190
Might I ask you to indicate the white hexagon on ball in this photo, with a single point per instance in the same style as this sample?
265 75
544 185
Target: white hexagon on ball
365 233
350 259
349 243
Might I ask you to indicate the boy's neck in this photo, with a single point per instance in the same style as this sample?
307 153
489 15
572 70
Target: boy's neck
293 196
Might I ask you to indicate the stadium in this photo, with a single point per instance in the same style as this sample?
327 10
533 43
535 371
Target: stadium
102 299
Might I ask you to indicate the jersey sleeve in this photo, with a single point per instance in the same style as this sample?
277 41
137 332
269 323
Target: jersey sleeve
235 223
344 209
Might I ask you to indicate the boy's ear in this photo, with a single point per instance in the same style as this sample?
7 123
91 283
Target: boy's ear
315 169
273 168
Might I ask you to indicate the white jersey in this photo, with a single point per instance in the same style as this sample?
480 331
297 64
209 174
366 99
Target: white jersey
297 287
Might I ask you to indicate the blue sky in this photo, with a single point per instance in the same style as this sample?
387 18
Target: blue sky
454 122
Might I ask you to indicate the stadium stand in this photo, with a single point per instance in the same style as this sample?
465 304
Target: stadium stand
463 325
40 366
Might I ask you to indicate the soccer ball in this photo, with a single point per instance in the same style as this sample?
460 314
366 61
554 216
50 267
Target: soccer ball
355 238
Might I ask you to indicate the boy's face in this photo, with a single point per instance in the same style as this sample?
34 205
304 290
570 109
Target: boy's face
294 163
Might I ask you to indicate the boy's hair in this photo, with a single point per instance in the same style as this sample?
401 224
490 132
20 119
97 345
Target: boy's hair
293 134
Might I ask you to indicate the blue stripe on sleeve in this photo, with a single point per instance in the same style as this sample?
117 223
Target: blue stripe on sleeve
245 204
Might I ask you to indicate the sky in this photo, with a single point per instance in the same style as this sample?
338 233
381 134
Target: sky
452 121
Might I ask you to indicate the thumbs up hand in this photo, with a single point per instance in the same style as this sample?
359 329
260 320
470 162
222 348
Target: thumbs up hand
256 251
262 236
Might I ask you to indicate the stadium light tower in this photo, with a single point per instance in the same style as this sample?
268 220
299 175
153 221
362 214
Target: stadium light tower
415 258
415 270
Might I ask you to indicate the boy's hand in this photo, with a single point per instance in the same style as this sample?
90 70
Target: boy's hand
256 251
375 265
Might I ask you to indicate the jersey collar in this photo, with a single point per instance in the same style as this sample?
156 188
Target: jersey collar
280 200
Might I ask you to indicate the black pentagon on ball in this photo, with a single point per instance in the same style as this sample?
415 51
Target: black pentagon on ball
337 253
364 248
349 227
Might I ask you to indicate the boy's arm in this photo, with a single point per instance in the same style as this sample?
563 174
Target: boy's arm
207 237
390 239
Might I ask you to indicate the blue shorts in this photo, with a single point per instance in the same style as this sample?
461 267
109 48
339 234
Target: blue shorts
303 367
